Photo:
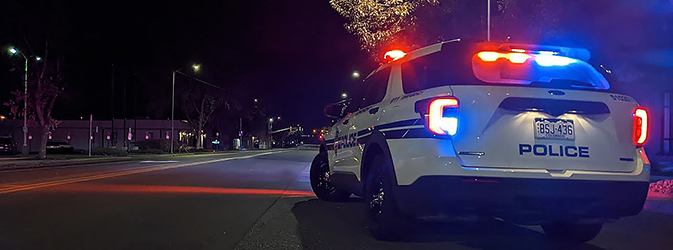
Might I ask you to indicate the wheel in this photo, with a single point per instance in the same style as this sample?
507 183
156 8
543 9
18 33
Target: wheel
320 182
572 232
385 222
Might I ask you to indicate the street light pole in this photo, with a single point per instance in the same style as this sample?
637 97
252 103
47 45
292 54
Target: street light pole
14 51
24 149
196 68
173 109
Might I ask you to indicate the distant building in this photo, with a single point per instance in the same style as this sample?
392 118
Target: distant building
76 132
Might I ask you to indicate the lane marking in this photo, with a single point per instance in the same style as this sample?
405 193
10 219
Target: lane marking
159 161
122 173
139 189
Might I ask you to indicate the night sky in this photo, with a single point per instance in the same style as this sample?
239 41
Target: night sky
294 56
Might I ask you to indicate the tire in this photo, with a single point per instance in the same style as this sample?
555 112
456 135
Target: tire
320 183
384 219
572 232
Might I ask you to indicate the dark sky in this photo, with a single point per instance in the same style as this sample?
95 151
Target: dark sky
294 56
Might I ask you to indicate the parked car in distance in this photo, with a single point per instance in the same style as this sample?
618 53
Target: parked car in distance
59 147
7 145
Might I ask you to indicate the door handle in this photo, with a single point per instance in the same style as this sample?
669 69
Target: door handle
373 110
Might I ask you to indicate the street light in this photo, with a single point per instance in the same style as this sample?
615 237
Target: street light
196 68
14 51
356 74
344 95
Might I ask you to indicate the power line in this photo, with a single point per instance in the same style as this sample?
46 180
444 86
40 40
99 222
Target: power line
199 80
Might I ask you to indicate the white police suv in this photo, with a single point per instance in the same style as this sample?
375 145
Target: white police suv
526 133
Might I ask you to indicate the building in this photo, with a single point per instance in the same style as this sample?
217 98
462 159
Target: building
126 133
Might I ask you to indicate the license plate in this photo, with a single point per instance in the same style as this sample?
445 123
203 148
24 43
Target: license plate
554 129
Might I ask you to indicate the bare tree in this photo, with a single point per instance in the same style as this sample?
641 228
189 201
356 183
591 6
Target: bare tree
199 108
379 22
45 83
384 24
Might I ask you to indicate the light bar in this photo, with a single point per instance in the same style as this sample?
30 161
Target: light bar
551 60
394 55
517 56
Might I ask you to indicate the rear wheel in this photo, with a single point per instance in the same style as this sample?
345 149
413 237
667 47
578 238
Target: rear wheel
320 182
572 232
384 219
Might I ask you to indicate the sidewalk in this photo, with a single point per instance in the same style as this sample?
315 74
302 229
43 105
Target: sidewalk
31 162
25 162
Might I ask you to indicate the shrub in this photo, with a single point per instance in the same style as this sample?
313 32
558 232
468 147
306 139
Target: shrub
148 151
153 144
200 150
109 151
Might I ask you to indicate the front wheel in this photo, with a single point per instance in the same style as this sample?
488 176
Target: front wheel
320 182
572 232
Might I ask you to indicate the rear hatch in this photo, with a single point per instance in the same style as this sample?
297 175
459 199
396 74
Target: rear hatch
543 128
522 106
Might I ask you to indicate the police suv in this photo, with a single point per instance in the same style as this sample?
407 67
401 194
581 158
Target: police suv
526 133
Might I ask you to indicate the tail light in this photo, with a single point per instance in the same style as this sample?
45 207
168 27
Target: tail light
441 114
640 121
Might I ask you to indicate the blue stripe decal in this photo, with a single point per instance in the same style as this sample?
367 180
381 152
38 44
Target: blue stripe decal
363 132
395 134
411 133
402 123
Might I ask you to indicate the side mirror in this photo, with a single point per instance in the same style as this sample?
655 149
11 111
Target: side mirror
334 110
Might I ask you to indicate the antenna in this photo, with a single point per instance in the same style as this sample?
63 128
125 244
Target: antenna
488 20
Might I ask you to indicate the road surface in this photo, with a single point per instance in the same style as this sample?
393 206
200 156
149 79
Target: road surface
249 200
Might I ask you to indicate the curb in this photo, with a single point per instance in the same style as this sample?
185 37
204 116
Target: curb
69 163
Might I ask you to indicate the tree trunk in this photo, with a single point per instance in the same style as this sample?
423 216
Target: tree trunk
199 138
43 143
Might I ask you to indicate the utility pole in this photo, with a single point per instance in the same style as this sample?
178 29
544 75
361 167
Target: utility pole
112 106
135 109
125 142
90 132
240 133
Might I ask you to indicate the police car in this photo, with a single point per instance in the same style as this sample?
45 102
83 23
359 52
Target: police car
527 133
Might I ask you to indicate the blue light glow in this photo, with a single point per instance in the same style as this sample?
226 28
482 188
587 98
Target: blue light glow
449 124
551 60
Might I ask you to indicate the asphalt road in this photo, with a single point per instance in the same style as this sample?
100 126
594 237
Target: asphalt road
249 200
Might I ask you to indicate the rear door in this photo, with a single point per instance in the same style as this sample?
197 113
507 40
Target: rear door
348 149
543 128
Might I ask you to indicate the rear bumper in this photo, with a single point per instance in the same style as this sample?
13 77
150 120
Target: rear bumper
522 200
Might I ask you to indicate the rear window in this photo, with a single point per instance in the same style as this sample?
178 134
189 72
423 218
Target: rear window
5 140
450 66
459 64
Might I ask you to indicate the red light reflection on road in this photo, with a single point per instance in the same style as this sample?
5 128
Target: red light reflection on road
108 188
